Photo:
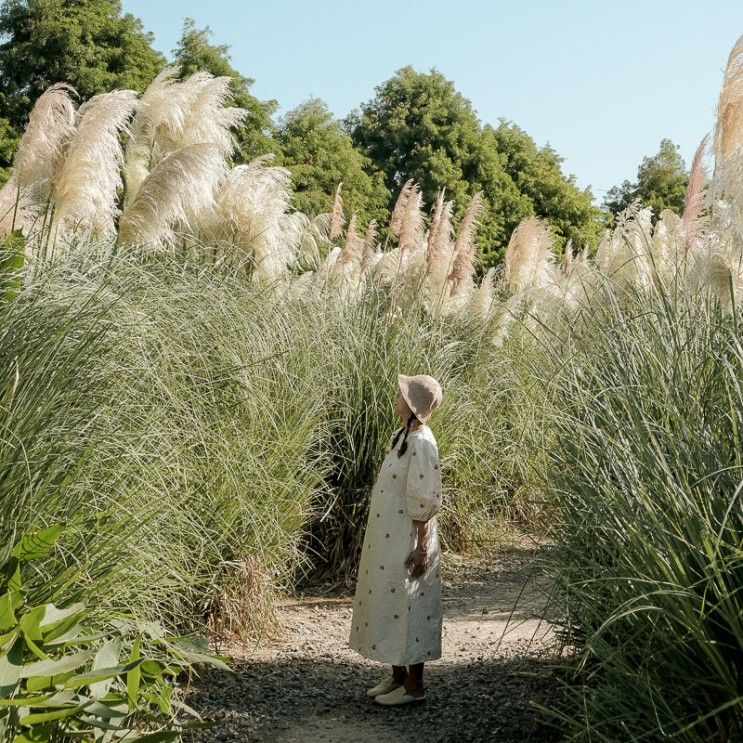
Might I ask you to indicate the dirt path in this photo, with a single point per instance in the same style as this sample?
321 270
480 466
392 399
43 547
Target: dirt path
307 685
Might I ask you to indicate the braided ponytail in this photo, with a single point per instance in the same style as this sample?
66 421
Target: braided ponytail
406 428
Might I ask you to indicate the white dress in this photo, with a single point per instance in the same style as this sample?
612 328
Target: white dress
397 619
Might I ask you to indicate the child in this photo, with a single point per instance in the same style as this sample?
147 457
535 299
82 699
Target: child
397 615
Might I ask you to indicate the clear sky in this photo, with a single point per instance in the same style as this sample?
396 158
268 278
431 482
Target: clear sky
602 82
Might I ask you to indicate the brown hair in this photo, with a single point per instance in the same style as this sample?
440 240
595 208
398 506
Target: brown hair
404 445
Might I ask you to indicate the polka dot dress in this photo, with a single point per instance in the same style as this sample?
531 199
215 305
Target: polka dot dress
396 619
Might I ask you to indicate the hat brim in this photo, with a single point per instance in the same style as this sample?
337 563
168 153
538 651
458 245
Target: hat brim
403 381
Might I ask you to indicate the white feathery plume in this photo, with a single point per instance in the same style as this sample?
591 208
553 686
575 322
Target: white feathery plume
315 233
326 274
400 206
439 235
252 214
624 255
481 301
729 125
370 253
84 188
529 257
16 209
694 220
173 197
352 252
50 127
337 219
174 114
465 249
568 253
161 108
411 227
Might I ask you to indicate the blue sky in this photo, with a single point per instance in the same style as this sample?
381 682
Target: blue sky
602 82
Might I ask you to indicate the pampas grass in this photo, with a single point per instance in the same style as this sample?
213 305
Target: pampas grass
85 186
171 197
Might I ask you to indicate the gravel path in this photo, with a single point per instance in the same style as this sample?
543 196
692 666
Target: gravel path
305 684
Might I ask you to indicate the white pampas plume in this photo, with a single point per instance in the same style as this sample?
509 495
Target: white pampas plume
567 258
326 272
173 114
439 236
315 233
400 206
529 258
51 125
411 227
481 301
178 191
208 118
370 253
337 219
729 125
351 254
16 209
465 249
161 108
694 220
84 187
625 254
252 215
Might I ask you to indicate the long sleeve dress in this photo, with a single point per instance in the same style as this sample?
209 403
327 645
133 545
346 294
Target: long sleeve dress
397 619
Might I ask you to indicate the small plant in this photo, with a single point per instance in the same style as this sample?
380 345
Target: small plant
64 676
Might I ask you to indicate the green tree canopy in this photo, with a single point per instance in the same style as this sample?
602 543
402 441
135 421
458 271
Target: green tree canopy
195 52
320 155
419 126
537 173
87 43
661 183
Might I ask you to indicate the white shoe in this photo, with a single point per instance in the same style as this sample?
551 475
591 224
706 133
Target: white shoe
398 696
385 686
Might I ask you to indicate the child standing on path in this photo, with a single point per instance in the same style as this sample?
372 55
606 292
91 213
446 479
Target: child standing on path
397 613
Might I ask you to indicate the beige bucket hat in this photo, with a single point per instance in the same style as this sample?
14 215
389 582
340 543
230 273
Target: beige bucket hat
422 393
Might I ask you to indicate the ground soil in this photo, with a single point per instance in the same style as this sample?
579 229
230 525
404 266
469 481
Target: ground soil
303 683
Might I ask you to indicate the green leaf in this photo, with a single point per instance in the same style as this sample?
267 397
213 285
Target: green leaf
12 571
8 620
11 668
92 677
54 667
33 736
57 621
37 544
134 677
47 682
107 657
36 718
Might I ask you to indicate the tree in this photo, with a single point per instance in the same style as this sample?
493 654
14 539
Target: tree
87 43
537 172
418 126
320 155
195 52
661 183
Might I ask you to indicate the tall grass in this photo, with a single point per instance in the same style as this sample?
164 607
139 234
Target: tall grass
644 463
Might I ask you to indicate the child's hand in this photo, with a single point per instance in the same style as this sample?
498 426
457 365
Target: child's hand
418 560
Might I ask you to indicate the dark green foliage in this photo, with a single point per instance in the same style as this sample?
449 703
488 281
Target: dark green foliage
661 183
65 676
418 126
320 155
89 44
